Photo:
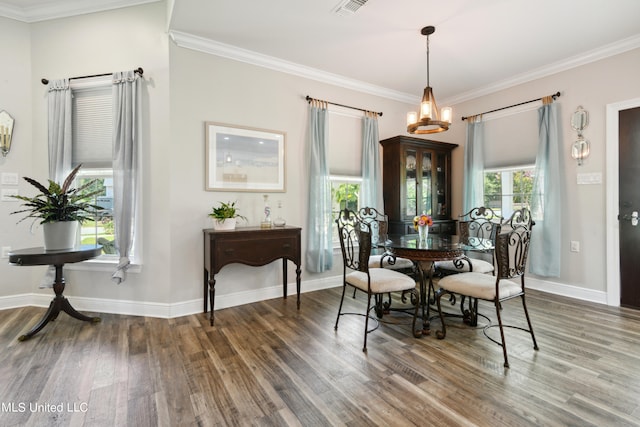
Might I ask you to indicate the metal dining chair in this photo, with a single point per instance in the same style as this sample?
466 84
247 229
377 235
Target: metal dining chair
511 251
478 229
355 243
379 225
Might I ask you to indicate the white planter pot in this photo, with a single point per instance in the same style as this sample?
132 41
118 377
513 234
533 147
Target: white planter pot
60 236
227 224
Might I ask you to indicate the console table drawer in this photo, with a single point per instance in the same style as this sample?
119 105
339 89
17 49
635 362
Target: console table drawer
253 252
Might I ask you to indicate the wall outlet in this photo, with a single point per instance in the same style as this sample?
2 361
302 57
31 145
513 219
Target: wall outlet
575 246
5 251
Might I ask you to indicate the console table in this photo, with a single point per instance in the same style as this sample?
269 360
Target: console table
252 246
40 256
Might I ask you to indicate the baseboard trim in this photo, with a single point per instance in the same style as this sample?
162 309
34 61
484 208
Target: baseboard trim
185 308
570 291
162 310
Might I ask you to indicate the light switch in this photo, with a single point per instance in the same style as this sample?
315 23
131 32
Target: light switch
9 178
590 178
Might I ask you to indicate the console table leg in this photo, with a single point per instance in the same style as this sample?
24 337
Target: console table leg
205 281
284 277
298 271
212 296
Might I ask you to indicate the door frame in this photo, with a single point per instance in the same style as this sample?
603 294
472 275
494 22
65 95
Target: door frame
612 199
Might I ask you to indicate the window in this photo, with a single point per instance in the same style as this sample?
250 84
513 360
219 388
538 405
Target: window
508 189
92 146
345 192
92 124
101 229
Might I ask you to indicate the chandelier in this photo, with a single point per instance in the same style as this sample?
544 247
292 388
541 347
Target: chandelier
430 119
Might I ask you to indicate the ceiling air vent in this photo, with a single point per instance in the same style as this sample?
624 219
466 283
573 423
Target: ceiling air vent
348 7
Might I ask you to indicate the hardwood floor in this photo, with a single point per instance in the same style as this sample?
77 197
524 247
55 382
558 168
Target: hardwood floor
268 364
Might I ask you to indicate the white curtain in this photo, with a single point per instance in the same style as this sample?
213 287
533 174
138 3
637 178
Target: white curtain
126 140
371 189
59 138
473 185
59 129
546 237
319 243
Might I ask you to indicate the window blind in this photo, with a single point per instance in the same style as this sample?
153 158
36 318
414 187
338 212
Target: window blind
92 125
511 140
345 145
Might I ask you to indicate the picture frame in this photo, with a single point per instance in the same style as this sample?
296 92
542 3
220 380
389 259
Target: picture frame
240 158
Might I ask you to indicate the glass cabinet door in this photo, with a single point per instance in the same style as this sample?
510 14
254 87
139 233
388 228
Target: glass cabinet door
441 195
411 183
426 202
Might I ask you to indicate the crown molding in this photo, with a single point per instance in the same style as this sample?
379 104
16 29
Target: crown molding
603 52
212 47
64 9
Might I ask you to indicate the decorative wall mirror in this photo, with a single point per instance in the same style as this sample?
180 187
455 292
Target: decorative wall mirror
6 132
580 147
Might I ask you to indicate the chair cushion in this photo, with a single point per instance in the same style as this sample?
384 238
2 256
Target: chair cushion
478 285
400 264
479 266
382 280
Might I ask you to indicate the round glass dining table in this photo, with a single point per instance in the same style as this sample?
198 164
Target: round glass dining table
424 253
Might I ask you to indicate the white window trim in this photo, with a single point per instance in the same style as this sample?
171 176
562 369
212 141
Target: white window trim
98 264
507 185
343 179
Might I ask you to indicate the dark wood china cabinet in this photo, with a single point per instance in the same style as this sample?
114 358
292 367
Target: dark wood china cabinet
417 178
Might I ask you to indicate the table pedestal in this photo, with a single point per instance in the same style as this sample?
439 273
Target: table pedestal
57 259
59 303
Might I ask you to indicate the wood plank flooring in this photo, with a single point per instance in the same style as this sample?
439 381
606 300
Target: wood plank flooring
267 364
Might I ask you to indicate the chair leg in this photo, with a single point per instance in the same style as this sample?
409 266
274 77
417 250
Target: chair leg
526 313
344 289
417 332
378 307
504 344
366 322
473 311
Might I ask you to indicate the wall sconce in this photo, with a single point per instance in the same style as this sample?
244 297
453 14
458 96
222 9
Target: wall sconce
6 132
580 147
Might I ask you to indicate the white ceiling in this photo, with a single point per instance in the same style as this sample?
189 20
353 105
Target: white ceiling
478 46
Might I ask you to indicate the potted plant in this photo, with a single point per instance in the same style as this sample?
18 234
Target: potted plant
60 209
225 216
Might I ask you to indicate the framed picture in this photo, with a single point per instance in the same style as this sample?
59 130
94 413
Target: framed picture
244 159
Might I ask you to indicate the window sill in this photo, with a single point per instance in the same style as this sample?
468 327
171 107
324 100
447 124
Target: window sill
108 265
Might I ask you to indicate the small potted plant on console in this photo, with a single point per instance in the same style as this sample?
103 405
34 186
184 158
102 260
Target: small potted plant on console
225 216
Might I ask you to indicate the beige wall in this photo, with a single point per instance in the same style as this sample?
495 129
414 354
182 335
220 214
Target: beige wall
15 98
593 86
185 88
209 88
93 44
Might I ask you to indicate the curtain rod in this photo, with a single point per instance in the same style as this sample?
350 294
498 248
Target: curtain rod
554 96
309 99
138 70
